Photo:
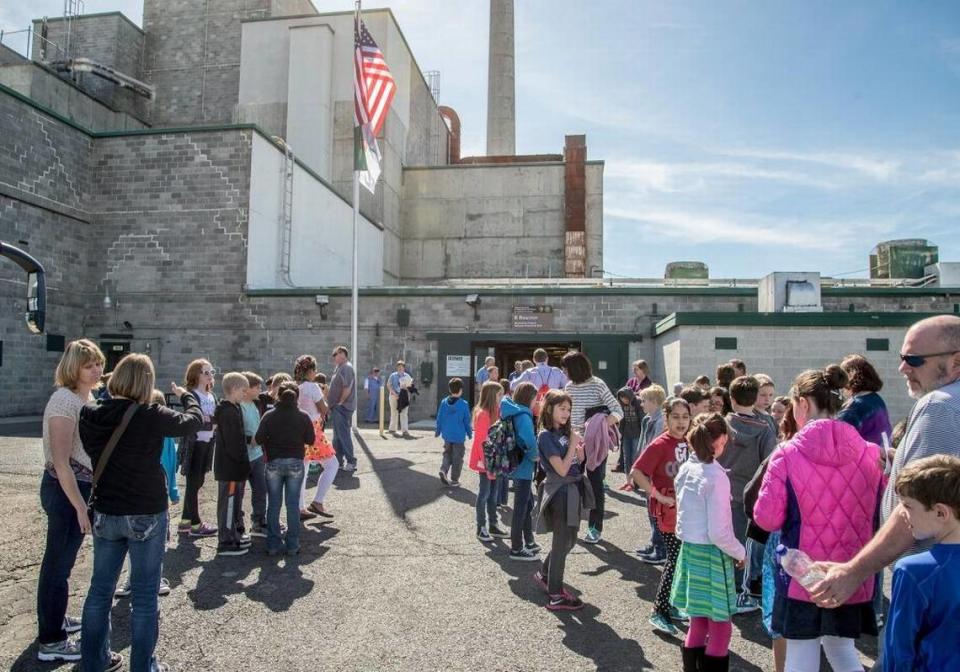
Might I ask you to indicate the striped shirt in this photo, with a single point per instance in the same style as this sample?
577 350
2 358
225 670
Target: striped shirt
593 392
932 429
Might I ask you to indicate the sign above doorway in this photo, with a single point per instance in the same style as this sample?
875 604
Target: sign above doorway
532 317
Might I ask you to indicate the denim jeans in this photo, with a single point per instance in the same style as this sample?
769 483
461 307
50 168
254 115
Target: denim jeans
258 493
521 527
144 538
486 502
596 478
284 478
342 440
373 408
63 542
502 490
629 452
656 537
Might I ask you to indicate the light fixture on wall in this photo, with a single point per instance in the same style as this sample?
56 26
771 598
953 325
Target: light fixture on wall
473 300
323 301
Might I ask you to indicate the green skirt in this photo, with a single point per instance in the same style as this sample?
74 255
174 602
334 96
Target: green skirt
703 582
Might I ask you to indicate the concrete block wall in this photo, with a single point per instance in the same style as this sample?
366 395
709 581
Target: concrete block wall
192 55
110 39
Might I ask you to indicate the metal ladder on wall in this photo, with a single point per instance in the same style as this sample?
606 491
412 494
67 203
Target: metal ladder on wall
286 214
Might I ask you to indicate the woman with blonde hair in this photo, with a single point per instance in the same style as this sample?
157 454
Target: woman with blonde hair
64 490
129 506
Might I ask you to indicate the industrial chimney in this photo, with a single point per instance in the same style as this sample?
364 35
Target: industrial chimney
501 107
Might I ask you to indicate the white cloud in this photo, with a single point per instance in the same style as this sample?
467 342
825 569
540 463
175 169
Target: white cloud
876 168
691 176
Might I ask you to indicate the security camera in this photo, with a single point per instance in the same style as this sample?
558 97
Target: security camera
473 300
322 300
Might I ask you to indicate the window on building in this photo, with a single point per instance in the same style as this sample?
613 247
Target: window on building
725 343
878 344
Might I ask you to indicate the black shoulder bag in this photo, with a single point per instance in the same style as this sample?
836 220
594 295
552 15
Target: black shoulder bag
105 456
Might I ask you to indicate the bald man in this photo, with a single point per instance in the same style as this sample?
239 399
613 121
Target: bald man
930 362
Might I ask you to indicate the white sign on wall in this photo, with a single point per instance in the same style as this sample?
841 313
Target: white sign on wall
458 365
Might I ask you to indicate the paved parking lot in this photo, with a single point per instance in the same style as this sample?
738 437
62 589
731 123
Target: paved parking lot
396 582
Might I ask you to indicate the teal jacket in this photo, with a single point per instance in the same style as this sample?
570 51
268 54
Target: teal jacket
522 418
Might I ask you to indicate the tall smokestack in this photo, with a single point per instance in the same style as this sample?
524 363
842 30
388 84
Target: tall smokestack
501 107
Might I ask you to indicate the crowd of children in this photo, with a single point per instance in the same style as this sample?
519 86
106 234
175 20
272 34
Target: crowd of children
733 478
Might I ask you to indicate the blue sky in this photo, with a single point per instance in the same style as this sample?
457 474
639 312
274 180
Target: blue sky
754 136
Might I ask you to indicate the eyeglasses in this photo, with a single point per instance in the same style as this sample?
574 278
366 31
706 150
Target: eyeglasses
209 372
916 361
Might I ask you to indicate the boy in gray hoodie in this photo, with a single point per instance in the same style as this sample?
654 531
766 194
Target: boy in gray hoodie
751 442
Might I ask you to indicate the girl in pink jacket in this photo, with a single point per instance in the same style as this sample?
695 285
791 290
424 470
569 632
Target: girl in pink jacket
822 490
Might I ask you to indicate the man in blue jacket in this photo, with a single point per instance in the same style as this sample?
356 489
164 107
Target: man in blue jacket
453 424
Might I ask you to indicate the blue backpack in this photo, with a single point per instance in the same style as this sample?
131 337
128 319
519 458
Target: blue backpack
501 452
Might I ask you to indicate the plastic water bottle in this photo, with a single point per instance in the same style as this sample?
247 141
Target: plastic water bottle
797 564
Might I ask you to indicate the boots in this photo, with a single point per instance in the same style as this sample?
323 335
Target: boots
715 663
692 658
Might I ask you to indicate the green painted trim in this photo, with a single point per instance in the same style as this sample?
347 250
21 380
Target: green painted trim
890 291
96 15
43 108
527 337
833 319
403 290
463 166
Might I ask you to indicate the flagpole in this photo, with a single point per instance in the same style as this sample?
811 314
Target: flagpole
356 247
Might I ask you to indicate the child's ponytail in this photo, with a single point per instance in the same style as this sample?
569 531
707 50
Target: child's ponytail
707 428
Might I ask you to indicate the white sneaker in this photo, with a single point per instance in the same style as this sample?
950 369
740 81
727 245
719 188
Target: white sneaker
349 467
484 535
66 650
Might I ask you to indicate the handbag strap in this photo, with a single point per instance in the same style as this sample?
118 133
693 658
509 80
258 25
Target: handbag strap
112 443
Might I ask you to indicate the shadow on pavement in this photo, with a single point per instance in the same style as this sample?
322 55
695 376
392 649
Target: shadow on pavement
407 489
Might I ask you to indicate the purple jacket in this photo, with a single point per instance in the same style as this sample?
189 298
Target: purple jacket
822 489
868 414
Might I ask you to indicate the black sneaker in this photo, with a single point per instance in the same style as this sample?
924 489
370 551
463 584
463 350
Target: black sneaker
524 554
443 477
232 549
497 532
534 547
244 540
564 602
259 531
483 535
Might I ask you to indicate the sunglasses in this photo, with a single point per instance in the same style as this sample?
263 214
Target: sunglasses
916 361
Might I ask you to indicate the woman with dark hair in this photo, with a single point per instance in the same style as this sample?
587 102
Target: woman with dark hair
64 489
129 505
865 410
590 393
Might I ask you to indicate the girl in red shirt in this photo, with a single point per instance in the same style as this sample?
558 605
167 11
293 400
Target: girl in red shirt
486 412
654 472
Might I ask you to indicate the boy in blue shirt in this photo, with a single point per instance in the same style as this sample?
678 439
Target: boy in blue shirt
924 624
453 424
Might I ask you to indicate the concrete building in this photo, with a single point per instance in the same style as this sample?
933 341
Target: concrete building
215 212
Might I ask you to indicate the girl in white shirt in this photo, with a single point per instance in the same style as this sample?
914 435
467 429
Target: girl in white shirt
703 585
312 402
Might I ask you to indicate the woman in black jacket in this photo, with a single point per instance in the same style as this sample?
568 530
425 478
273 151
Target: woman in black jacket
283 433
129 509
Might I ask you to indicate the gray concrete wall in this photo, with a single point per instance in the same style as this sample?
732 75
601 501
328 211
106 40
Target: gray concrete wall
110 39
492 221
193 55
65 98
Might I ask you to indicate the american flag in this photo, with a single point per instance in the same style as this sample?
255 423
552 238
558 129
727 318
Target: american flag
374 87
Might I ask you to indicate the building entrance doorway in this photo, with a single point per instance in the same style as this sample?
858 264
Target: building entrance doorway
508 352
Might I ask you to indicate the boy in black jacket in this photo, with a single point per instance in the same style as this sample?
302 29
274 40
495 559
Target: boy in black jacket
231 466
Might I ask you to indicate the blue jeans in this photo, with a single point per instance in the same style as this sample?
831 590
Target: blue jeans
144 538
258 493
63 542
629 451
342 440
486 502
656 537
284 478
373 407
503 490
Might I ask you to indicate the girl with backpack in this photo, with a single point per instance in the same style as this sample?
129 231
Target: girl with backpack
703 585
517 410
654 472
821 490
565 496
486 412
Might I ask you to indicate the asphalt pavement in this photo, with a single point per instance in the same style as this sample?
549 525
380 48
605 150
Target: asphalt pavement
397 581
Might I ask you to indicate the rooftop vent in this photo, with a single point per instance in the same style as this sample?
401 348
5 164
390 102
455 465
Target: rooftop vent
902 259
686 273
789 293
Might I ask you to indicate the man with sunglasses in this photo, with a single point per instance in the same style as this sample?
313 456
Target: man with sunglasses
930 362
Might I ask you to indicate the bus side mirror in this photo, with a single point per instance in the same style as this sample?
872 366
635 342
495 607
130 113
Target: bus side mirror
36 301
